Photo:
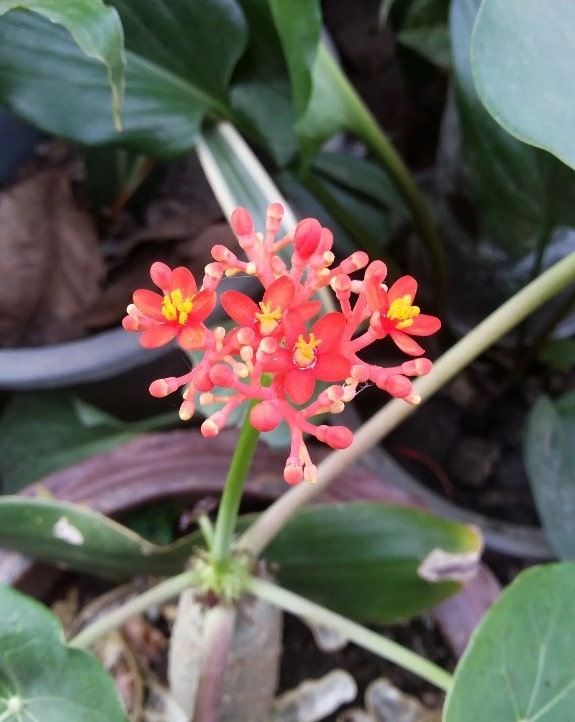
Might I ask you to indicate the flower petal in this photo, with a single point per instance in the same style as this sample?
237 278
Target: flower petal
406 344
158 336
239 307
294 325
203 304
424 325
299 385
192 337
404 286
331 367
183 279
149 303
329 329
280 293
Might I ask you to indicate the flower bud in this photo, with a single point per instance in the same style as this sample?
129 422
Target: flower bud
338 437
265 416
307 236
221 375
242 222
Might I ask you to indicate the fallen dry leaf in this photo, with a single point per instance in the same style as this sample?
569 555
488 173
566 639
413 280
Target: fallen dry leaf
51 266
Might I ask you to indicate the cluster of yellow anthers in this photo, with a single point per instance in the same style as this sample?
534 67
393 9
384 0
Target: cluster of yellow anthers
283 354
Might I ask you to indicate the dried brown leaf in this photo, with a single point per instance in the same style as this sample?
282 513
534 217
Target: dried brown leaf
51 266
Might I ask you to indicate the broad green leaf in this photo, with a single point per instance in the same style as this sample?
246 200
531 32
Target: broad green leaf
43 431
520 663
78 538
361 559
178 70
41 678
521 194
95 27
524 58
549 455
299 24
260 94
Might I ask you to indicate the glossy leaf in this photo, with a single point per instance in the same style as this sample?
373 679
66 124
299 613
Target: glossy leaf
77 537
520 662
299 25
176 73
524 58
361 559
95 27
520 192
43 679
549 455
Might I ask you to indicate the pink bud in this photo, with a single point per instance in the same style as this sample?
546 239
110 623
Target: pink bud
275 213
338 437
417 367
265 416
160 388
396 385
293 472
307 236
221 375
242 222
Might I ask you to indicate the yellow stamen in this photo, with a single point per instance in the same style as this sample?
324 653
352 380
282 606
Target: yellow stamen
177 308
304 353
268 319
401 310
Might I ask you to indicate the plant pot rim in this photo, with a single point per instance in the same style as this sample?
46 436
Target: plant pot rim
95 358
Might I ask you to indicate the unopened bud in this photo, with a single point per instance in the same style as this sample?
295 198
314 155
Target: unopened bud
265 416
338 437
307 236
275 213
221 375
417 367
242 222
163 387
293 472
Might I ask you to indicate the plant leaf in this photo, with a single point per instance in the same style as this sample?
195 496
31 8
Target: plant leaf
43 679
31 447
521 193
73 536
97 30
549 457
520 662
298 23
176 73
523 57
361 559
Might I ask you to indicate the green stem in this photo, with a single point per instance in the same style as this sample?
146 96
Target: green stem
500 322
167 589
361 122
232 496
361 636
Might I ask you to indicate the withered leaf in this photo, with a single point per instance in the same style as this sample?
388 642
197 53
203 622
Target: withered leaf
50 262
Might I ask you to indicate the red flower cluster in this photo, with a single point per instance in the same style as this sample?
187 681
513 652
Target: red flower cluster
293 365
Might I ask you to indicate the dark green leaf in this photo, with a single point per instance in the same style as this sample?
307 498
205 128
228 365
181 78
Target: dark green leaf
177 71
549 454
43 431
299 24
42 679
96 29
520 663
79 538
361 559
524 55
558 353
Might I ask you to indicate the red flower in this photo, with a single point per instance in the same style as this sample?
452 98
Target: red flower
180 312
309 357
266 317
398 317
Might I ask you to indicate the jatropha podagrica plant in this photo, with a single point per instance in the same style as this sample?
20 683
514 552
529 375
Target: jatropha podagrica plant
280 347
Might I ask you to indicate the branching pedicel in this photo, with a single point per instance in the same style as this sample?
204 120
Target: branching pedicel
277 352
